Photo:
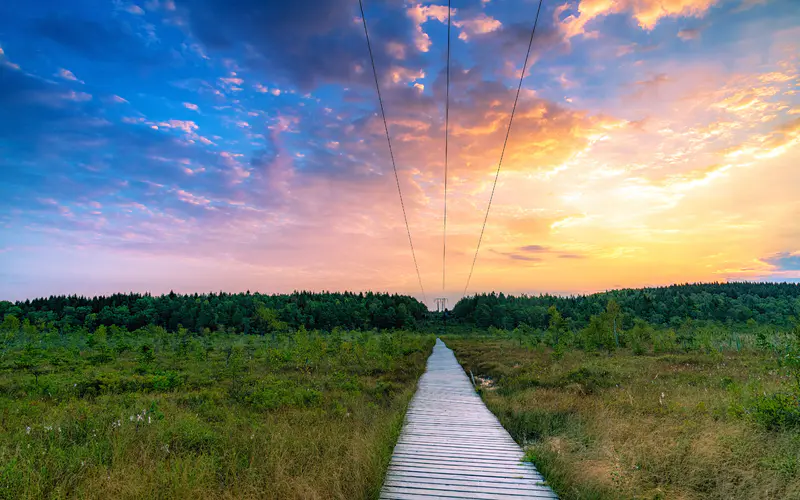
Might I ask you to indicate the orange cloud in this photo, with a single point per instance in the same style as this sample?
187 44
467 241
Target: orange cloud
646 12
478 25
420 14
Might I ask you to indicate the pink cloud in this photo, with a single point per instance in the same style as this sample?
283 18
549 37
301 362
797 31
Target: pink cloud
136 10
190 198
67 75
478 25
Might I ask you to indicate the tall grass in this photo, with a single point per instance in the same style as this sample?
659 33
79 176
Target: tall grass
135 416
665 425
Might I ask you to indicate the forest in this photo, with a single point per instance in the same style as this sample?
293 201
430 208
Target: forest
223 312
773 304
724 303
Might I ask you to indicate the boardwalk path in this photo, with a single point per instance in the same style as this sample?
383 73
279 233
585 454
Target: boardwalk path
453 447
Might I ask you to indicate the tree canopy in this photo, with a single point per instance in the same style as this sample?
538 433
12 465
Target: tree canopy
242 312
764 303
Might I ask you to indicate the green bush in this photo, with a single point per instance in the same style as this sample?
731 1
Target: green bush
777 411
665 341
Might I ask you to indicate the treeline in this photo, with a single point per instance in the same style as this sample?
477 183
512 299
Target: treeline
241 312
724 303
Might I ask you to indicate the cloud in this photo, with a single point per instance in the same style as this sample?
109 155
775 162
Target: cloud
651 84
396 50
110 41
135 10
189 105
749 4
77 96
67 75
518 257
326 47
534 248
689 34
419 15
478 25
646 12
192 199
785 261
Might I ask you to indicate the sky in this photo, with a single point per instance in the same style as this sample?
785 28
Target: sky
207 145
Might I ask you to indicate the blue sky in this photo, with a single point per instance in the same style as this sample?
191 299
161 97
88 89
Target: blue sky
201 145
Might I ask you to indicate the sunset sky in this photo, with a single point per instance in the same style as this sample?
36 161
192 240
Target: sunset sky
206 145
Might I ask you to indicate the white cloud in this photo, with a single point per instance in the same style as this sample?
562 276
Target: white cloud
421 14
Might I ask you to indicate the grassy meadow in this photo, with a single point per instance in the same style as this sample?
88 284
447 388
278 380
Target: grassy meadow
151 414
687 392
715 420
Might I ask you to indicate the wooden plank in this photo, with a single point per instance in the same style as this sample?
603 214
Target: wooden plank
452 446
447 478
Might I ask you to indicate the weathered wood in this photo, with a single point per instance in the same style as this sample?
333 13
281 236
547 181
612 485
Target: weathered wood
453 447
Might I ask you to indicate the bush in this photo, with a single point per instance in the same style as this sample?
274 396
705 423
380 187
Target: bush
665 341
777 411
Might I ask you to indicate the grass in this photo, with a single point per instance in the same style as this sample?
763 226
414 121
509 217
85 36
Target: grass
668 425
147 415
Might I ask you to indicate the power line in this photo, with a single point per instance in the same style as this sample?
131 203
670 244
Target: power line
446 141
503 152
391 153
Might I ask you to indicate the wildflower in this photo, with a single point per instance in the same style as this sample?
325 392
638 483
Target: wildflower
131 418
28 429
48 427
148 419
139 418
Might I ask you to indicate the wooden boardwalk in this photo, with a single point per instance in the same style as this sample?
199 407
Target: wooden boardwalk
452 446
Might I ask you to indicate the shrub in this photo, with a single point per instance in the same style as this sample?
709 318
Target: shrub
665 341
777 411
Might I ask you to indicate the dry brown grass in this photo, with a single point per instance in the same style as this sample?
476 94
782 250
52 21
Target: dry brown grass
599 427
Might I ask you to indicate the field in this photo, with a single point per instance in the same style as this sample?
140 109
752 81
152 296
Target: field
686 391
722 423
152 414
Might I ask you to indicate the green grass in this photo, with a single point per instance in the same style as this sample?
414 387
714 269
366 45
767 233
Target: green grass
148 415
717 425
